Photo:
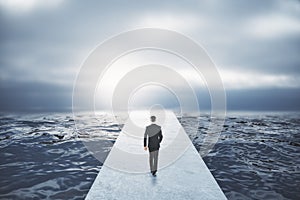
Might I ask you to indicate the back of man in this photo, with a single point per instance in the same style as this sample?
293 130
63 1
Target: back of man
154 136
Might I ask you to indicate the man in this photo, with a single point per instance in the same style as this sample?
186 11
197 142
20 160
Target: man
154 135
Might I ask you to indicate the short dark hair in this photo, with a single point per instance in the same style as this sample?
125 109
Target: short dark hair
153 118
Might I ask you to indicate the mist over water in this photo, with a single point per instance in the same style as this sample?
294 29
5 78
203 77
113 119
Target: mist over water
42 155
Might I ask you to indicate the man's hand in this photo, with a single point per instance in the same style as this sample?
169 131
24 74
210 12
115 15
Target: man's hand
145 148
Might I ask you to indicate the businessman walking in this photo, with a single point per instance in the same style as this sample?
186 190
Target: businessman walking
154 135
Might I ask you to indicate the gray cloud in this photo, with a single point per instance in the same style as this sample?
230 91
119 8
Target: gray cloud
264 99
273 57
41 50
35 96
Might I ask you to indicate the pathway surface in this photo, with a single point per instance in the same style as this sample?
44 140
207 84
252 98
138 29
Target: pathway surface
182 173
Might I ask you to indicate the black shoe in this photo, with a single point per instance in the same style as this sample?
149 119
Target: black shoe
154 173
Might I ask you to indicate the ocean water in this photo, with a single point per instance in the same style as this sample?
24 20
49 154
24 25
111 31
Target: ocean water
43 156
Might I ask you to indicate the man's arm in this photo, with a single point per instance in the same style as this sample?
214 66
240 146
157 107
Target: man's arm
160 136
145 140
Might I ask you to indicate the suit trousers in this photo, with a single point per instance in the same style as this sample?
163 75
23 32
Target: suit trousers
153 159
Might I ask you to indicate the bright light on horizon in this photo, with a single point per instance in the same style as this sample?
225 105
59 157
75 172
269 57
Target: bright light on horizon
273 25
28 5
234 79
180 22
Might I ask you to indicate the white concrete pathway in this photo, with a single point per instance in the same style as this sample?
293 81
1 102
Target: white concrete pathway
182 174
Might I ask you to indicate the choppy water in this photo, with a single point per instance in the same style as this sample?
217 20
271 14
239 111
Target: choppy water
42 156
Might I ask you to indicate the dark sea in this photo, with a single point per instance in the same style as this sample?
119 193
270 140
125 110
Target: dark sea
43 156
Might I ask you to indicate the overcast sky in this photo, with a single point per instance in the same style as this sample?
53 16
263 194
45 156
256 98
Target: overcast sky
254 44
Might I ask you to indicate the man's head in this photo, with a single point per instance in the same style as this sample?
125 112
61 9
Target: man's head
153 118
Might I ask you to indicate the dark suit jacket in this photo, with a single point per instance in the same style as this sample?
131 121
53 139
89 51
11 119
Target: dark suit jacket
154 135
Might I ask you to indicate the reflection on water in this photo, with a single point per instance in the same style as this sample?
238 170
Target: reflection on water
42 156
